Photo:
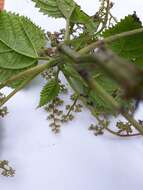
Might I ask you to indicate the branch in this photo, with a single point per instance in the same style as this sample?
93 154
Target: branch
107 98
35 70
21 86
96 87
67 33
93 110
109 40
122 135
111 63
71 107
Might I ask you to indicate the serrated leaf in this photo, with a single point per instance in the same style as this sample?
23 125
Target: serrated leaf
20 41
66 9
130 47
49 92
80 17
56 8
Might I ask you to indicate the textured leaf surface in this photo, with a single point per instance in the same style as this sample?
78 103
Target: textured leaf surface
130 47
77 83
66 9
8 73
109 86
56 8
49 92
80 17
81 41
20 41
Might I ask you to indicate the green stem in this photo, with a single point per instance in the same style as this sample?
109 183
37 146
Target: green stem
100 91
109 40
109 62
72 106
21 86
110 130
121 135
44 58
67 33
35 70
114 18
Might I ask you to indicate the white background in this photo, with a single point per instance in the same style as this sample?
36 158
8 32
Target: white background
75 159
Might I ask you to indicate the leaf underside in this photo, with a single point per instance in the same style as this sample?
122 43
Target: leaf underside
66 9
20 42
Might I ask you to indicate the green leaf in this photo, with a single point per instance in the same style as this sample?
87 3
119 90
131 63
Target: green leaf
75 80
20 42
130 47
109 86
80 17
80 86
8 73
66 9
49 92
56 8
81 41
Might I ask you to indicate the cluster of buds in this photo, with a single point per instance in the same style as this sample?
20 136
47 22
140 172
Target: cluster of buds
99 128
3 110
100 16
55 114
124 127
5 169
56 37
72 108
49 74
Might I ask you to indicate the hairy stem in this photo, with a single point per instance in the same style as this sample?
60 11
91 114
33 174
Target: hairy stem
99 90
122 135
32 71
72 106
67 33
115 20
109 40
110 130
109 62
44 58
17 90
114 103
